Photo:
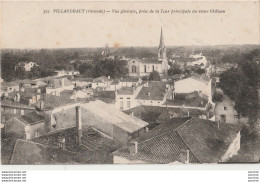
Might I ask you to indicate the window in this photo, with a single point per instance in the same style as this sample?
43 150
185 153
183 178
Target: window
128 97
133 69
153 67
145 68
223 118
121 105
128 104
37 133
22 112
225 108
121 98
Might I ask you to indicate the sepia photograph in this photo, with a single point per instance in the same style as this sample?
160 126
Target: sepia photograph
86 83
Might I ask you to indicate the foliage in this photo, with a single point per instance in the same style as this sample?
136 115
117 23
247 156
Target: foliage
241 85
154 76
174 70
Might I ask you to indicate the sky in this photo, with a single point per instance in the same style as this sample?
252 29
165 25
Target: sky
25 26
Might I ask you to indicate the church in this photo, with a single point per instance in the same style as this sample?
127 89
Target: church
143 67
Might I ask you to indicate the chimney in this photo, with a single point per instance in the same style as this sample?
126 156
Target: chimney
62 82
185 156
207 114
61 143
188 113
133 148
78 125
149 94
22 89
108 77
41 104
131 113
38 97
218 124
38 91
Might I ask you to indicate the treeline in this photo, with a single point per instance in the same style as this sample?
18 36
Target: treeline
113 68
48 61
241 84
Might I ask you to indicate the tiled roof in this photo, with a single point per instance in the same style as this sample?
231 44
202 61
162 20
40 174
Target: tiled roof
164 143
27 152
156 90
126 91
149 61
201 78
129 79
196 101
33 118
101 79
57 83
9 84
205 140
9 103
27 93
52 101
160 145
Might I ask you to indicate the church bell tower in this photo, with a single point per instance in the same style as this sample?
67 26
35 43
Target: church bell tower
162 48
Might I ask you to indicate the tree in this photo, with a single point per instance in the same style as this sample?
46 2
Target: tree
241 85
174 70
154 76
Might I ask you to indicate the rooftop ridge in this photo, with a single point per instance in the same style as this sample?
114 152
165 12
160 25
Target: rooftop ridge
163 133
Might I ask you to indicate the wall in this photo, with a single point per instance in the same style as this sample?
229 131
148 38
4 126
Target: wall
10 110
16 127
120 135
122 160
91 119
232 149
189 85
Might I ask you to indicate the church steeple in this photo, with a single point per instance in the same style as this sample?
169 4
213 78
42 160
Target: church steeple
162 48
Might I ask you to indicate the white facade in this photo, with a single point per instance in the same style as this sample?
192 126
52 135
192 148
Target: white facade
142 68
190 84
127 101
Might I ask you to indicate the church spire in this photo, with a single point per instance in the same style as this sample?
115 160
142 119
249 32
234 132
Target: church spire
161 40
161 49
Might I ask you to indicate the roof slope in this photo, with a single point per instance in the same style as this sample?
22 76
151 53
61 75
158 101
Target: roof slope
113 116
156 90
27 152
205 140
202 138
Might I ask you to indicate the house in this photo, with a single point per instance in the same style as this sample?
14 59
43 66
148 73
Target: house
199 60
193 100
102 81
192 141
130 82
125 97
7 87
115 85
26 96
225 111
9 107
82 82
26 66
56 86
154 93
60 73
143 67
193 83
113 123
27 126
